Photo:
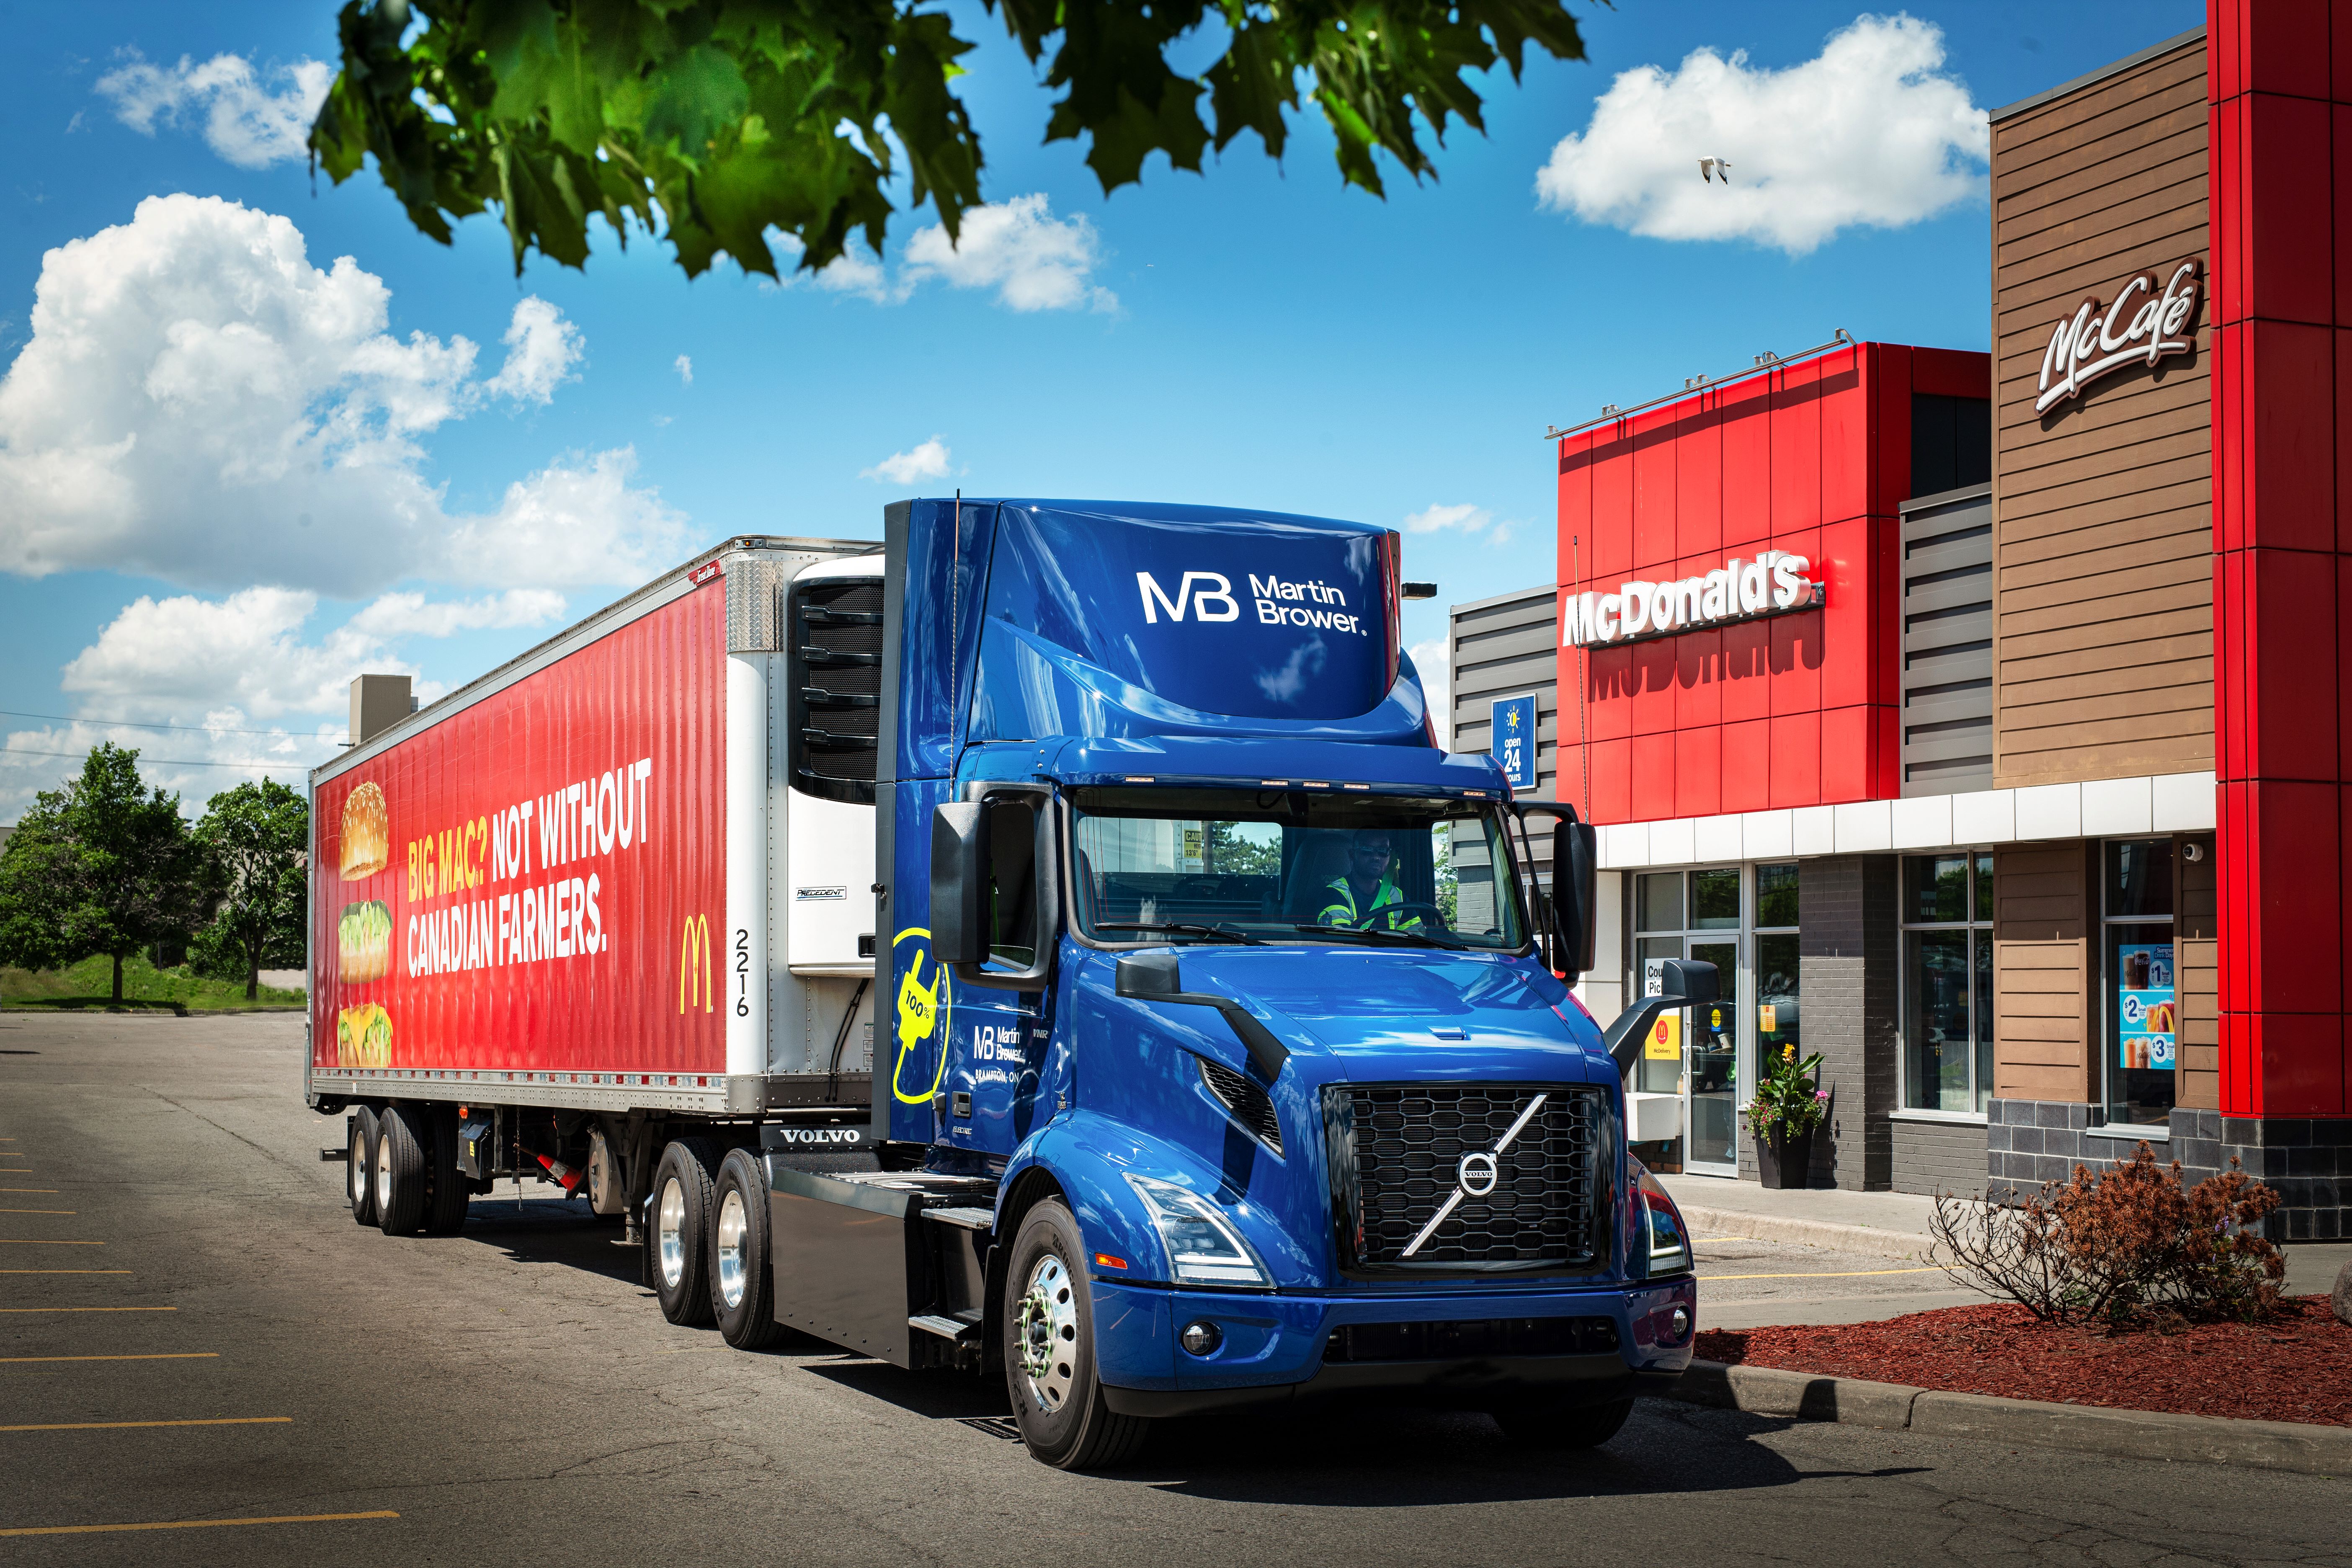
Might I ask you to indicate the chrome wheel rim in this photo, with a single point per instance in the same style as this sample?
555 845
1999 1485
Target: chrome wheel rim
733 1221
1046 1330
382 1174
359 1179
669 1231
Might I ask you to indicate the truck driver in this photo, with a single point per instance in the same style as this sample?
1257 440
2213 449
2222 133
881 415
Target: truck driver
1357 895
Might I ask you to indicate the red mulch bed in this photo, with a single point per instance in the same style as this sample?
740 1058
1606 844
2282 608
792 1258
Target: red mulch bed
2297 1368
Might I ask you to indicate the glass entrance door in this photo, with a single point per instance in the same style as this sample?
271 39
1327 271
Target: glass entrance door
1711 1083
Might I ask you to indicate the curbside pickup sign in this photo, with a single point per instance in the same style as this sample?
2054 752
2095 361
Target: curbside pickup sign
1514 739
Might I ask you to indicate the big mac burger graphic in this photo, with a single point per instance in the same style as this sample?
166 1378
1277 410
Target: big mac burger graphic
364 933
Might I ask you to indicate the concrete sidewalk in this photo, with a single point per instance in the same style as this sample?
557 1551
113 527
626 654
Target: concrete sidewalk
1893 1224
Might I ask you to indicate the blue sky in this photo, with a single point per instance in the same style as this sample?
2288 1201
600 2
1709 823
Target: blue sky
1257 335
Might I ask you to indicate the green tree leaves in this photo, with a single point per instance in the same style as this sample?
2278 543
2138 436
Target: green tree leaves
737 120
257 836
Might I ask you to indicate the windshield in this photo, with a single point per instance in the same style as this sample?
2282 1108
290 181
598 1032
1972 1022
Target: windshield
1217 865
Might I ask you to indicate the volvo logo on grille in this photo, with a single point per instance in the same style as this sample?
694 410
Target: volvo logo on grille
1475 1175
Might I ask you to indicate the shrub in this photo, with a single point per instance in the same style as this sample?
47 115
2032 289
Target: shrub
2128 1246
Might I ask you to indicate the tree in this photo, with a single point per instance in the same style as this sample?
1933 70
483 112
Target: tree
103 866
741 119
258 838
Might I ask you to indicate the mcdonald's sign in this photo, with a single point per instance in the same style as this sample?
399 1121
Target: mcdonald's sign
694 947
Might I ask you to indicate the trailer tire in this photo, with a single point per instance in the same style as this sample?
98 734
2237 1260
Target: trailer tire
404 1142
742 1291
1582 1426
359 1177
1049 1350
678 1240
445 1209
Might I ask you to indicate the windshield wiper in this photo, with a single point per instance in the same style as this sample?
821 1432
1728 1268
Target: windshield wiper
1184 928
1422 938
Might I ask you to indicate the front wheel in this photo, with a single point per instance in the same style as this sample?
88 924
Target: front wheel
1581 1427
1049 1350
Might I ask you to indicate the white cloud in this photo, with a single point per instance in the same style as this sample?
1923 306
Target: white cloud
542 350
395 615
1873 131
1436 684
197 402
1032 260
685 368
244 122
928 461
1462 518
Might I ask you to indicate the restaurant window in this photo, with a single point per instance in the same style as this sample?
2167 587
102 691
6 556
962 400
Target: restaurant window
1948 981
1693 914
2142 1005
1776 961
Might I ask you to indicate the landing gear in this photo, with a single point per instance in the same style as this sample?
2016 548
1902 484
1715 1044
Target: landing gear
1049 1352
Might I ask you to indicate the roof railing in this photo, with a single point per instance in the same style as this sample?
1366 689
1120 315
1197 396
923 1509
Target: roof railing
1768 359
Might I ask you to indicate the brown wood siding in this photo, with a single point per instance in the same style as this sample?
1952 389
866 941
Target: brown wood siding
2103 589
2199 1082
2041 944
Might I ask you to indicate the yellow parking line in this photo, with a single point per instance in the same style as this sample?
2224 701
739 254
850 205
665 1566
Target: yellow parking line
39 1211
1852 1274
111 1426
63 1271
89 1308
166 1355
199 1523
52 1190
27 1241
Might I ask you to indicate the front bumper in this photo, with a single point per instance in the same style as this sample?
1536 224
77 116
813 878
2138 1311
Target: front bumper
1273 1347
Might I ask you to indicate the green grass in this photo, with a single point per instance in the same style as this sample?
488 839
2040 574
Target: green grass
90 983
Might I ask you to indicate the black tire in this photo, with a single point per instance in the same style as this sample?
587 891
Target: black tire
1580 1426
449 1196
359 1183
742 1291
1058 1401
679 1234
403 1143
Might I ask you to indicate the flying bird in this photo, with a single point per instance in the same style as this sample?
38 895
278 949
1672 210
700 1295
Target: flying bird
1710 167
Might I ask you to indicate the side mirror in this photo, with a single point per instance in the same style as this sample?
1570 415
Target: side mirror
1682 983
996 887
1575 895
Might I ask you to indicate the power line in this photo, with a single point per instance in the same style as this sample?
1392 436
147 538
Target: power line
135 724
8 752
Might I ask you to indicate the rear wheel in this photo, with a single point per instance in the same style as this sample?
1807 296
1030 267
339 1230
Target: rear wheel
1049 1350
1581 1427
742 1291
444 1210
679 1237
403 1144
361 1174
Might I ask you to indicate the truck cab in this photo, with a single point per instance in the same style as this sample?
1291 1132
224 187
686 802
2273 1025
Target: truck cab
1226 1050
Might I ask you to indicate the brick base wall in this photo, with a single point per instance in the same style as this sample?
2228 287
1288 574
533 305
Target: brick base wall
1933 1157
1847 957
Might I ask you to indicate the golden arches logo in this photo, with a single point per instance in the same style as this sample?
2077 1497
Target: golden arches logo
693 945
922 1013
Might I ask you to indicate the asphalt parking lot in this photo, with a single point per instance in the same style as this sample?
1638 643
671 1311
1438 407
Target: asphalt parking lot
203 1360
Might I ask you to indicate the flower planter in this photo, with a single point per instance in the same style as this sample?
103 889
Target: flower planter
1785 1159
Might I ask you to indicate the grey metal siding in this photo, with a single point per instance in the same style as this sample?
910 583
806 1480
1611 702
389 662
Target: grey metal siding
1948 642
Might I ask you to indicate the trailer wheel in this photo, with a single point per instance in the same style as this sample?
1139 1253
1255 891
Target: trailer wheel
444 1210
1582 1426
360 1175
403 1143
742 1291
679 1237
1049 1350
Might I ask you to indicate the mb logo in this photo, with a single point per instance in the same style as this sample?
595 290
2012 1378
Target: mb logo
1202 590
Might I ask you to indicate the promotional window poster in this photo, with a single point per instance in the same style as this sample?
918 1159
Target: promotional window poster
2148 1015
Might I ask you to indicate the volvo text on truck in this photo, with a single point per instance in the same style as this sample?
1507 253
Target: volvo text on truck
1050 944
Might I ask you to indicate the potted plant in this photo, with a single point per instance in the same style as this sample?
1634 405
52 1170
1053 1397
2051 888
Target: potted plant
1790 1104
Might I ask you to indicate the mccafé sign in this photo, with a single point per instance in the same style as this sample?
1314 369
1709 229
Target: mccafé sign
1773 584
2150 319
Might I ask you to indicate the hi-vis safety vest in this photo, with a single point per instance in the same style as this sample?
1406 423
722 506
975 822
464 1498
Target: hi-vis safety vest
1341 910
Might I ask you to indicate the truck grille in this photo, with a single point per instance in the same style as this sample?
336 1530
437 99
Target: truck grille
1397 1156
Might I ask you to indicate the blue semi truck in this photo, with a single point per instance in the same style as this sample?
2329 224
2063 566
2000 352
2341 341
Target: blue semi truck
1218 1041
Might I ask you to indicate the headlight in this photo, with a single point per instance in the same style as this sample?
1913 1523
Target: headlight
1203 1246
1662 1224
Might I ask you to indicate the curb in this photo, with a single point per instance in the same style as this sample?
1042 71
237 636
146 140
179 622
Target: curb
1868 1238
2080 1429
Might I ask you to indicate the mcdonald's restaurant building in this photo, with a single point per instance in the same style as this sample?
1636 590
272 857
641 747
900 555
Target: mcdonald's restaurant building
1984 717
